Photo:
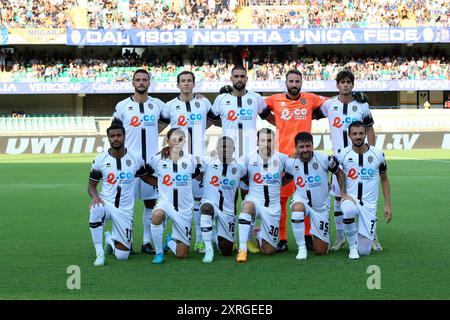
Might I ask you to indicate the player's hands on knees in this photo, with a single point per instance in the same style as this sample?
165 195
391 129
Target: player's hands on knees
96 201
388 213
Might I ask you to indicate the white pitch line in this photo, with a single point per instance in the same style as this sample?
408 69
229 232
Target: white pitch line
407 158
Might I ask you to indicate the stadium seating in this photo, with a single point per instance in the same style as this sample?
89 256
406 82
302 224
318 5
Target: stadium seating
48 123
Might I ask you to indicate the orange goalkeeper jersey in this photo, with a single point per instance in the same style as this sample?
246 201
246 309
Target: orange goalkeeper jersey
293 116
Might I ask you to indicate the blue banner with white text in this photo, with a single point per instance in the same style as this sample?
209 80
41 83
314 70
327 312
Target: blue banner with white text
140 37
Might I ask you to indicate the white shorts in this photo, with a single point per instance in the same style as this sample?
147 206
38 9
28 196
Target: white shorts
122 224
335 189
197 188
367 220
181 222
225 222
270 221
144 190
319 220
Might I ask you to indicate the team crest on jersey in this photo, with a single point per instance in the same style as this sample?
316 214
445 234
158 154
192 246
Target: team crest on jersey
275 163
315 165
197 104
150 106
128 162
303 101
370 159
249 101
184 165
234 170
355 108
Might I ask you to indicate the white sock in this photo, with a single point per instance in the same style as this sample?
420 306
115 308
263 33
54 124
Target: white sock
206 227
245 221
157 235
349 211
338 221
97 239
147 222
250 232
298 227
172 246
197 219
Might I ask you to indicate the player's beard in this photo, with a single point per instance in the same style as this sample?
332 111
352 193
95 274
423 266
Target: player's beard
239 86
305 156
294 91
116 146
141 91
358 143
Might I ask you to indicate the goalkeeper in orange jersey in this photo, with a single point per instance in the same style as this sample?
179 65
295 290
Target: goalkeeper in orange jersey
293 112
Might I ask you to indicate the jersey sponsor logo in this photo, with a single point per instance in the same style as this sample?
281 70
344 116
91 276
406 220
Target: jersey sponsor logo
297 114
146 120
311 181
364 174
338 123
179 179
243 114
266 178
123 178
193 119
215 181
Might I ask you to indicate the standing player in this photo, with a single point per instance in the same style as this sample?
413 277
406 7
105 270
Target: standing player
341 111
190 114
362 167
221 178
117 168
309 170
140 116
265 169
238 112
175 171
293 111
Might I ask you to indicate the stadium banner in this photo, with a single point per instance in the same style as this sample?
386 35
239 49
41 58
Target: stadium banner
98 143
199 37
214 86
37 36
4 38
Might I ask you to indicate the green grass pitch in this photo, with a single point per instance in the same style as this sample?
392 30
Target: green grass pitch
44 222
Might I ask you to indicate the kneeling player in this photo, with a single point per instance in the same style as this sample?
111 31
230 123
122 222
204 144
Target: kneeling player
118 169
221 178
265 170
175 171
362 167
310 173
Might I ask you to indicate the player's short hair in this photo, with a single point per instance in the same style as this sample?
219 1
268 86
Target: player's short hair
345 74
115 126
182 73
265 131
141 71
303 136
293 71
356 124
238 68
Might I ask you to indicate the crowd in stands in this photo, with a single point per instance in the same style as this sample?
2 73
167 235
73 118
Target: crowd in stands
221 14
213 63
18 114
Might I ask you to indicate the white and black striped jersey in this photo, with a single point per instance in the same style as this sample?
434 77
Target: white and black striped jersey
362 173
191 116
341 115
117 177
265 178
311 178
175 180
221 181
140 121
238 116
